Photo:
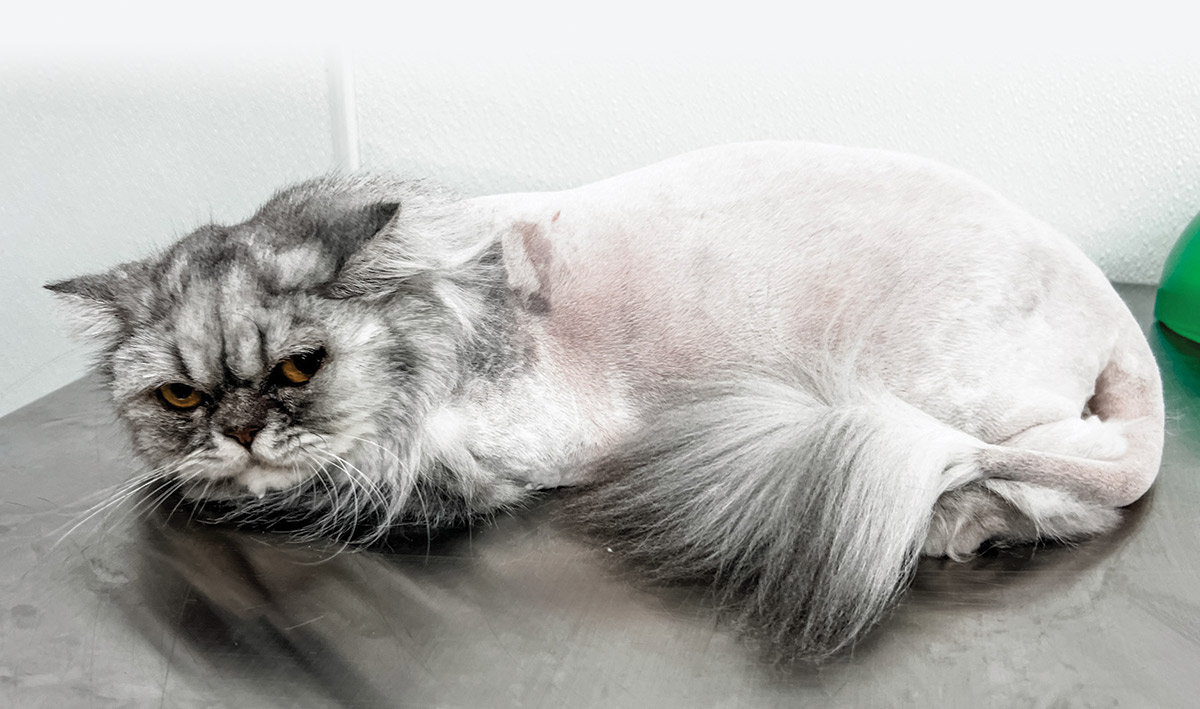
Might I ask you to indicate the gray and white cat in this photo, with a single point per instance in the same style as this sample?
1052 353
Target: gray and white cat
787 368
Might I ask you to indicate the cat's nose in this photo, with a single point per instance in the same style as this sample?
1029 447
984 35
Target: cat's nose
245 436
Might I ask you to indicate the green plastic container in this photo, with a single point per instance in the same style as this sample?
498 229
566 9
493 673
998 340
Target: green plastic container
1178 303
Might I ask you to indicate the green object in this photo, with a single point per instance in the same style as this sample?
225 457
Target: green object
1178 303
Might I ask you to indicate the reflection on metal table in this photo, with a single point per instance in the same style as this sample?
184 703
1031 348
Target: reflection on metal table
146 609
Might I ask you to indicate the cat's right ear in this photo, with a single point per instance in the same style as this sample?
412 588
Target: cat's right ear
91 304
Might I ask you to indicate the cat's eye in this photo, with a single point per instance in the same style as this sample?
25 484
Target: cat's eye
299 368
180 396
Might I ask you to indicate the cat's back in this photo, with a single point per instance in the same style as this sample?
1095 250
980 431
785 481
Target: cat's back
736 207
764 230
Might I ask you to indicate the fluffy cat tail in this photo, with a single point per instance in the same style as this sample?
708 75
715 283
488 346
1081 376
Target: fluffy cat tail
808 509
808 501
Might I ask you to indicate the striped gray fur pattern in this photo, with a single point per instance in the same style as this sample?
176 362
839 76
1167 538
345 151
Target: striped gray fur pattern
785 369
221 307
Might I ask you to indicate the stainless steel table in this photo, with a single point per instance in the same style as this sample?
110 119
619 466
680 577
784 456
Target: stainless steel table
149 610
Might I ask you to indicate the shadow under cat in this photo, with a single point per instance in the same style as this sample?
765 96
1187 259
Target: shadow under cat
288 619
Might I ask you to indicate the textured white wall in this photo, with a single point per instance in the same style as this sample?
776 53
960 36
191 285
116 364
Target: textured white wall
1107 152
104 160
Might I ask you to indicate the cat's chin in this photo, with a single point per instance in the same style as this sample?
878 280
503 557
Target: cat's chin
254 482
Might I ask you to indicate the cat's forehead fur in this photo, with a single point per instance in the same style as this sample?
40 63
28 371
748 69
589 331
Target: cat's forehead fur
296 241
227 302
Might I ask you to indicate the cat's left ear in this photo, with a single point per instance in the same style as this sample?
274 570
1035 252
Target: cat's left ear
389 259
93 303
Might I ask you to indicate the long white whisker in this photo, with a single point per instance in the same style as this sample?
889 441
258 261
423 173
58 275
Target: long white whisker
333 516
372 488
184 479
333 497
405 470
327 458
154 501
120 494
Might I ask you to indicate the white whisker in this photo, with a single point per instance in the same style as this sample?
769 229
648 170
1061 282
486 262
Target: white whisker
115 497
408 486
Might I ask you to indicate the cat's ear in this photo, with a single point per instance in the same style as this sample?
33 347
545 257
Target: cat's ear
358 225
92 304
384 260
426 240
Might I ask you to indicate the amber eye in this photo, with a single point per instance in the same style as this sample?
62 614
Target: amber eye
181 396
299 368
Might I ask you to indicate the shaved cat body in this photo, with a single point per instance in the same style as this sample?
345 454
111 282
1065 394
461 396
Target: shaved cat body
788 368
954 299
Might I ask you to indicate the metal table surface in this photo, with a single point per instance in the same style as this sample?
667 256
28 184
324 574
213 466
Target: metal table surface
143 609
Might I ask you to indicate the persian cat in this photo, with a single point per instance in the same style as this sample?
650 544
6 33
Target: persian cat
789 369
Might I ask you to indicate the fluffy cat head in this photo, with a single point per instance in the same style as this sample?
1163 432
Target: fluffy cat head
286 364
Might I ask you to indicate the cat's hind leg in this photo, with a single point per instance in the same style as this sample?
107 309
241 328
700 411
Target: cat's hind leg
1108 455
1061 480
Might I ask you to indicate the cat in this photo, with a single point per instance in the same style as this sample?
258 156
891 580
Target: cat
786 368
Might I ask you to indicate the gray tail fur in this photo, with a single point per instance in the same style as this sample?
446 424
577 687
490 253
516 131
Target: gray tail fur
807 503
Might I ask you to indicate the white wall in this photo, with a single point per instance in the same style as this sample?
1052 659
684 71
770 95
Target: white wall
103 160
1109 154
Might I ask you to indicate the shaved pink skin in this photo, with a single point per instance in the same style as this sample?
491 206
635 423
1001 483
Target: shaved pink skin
767 254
